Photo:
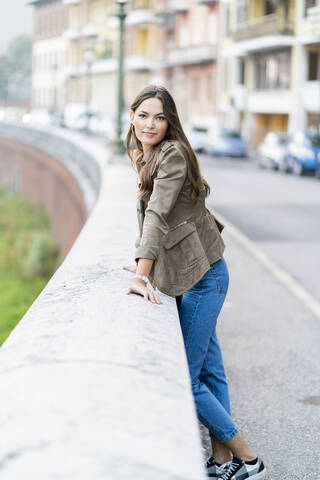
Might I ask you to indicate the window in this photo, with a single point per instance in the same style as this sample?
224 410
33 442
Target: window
314 66
242 11
226 20
212 28
224 75
309 4
209 85
195 85
269 7
272 70
241 78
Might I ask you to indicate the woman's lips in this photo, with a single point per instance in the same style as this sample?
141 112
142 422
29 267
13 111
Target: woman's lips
149 134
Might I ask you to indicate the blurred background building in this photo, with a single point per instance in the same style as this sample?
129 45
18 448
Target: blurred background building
269 65
248 65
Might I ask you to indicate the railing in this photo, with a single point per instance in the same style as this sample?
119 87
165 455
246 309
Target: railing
94 383
192 54
179 5
262 26
313 17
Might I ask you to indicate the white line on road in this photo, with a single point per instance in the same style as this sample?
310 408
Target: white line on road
293 285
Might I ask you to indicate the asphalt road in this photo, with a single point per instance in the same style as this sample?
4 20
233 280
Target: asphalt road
270 338
279 212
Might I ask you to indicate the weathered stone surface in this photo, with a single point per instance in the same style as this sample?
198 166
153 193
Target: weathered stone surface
93 382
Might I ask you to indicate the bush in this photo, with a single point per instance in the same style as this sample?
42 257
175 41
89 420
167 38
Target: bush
41 257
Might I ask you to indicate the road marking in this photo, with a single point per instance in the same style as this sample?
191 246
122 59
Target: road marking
284 277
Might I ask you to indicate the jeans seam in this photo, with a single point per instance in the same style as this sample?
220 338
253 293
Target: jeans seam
192 319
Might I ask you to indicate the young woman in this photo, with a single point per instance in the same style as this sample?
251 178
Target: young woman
180 250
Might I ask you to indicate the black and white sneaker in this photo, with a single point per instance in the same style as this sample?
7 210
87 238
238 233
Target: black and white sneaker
240 470
214 469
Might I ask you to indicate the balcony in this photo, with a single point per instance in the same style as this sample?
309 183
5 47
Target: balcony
139 62
310 94
207 2
89 31
270 101
71 34
263 26
313 19
140 16
191 55
177 6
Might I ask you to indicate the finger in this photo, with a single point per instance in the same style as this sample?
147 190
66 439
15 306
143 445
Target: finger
153 300
157 299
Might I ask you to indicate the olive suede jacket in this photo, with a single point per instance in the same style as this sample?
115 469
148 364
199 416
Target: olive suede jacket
183 238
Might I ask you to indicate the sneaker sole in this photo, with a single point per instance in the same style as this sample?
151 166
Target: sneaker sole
259 476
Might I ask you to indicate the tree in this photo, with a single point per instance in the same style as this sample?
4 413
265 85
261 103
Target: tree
15 70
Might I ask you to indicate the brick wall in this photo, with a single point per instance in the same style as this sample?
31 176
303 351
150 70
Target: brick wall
44 180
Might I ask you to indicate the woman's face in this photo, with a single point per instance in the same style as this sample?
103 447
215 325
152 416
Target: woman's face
149 122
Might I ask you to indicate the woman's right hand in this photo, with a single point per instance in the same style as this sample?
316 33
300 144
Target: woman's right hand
130 268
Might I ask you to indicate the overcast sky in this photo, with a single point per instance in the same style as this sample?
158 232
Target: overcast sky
15 18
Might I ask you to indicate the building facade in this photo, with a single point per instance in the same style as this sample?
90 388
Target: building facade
190 59
169 42
269 66
49 55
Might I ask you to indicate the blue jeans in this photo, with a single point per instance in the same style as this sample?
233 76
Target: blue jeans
198 310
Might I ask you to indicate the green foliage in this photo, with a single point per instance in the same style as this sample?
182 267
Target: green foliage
29 255
42 255
19 54
15 69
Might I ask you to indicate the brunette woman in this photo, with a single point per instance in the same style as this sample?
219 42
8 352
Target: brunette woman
180 251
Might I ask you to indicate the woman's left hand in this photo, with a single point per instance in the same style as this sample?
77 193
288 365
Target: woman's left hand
138 286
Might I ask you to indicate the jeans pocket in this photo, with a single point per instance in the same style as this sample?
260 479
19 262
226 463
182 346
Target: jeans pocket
220 272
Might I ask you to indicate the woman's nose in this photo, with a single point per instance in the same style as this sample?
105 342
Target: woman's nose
150 122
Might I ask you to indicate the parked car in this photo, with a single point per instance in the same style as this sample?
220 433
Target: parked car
318 167
197 136
302 153
272 150
226 143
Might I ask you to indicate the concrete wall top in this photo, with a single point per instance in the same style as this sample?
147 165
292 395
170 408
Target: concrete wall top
94 383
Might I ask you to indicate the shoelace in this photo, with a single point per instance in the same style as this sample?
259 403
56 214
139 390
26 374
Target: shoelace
233 468
209 462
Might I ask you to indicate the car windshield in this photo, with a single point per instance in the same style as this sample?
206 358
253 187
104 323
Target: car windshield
282 140
315 140
230 134
200 129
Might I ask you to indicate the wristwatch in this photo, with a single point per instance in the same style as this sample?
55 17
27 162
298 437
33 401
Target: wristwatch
142 277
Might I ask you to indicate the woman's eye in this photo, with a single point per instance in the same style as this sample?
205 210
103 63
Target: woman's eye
161 118
141 115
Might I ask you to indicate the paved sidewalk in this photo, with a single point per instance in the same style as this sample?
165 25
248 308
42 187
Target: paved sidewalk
271 343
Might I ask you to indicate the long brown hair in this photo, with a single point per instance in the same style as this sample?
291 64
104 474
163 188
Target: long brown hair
174 132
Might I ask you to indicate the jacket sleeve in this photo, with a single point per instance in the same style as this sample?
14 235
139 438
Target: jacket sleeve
167 184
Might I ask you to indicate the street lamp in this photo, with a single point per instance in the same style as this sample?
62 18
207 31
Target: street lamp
121 14
88 58
90 33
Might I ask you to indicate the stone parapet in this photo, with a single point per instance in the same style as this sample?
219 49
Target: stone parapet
94 383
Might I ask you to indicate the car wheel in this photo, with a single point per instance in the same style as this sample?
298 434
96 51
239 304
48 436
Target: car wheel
260 162
283 167
297 169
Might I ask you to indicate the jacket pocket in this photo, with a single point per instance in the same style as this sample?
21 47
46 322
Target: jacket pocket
182 252
178 234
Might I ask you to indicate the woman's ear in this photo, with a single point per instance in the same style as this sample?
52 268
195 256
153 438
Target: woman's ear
131 115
